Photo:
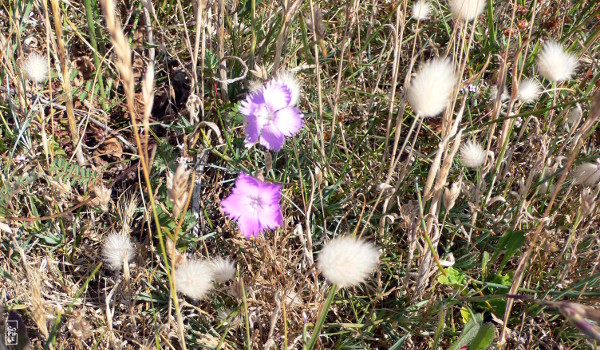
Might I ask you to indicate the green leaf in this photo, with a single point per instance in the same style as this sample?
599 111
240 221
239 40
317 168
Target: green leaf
469 332
454 278
484 337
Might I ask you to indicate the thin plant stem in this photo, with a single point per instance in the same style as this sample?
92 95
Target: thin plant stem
321 320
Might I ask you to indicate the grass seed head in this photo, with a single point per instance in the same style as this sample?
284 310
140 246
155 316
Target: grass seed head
432 87
117 250
587 174
194 278
223 269
529 90
554 63
494 93
466 10
472 155
347 261
36 68
421 10
177 188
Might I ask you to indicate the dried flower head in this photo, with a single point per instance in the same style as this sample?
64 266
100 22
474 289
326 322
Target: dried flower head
36 68
554 63
431 89
117 250
587 173
421 10
472 155
102 197
255 205
194 278
451 195
223 269
347 261
529 90
177 188
466 9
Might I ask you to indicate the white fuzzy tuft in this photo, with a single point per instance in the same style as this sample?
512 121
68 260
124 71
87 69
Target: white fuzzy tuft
431 89
288 79
554 63
117 249
466 9
194 278
421 10
36 68
587 174
529 90
494 93
472 155
347 261
223 269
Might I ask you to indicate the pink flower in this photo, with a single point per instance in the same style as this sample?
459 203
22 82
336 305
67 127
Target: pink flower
270 114
254 204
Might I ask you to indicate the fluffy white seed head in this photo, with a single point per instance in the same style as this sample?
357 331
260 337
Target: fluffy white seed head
529 90
432 87
494 93
554 63
472 155
347 261
587 174
223 269
194 278
421 10
466 10
288 79
117 249
36 68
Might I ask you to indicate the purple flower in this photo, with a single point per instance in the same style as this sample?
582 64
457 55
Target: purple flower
270 114
255 205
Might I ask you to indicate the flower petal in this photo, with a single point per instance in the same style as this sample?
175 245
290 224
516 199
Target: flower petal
252 129
235 205
249 225
272 138
289 120
277 96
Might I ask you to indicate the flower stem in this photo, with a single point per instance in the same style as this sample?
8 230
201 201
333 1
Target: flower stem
321 320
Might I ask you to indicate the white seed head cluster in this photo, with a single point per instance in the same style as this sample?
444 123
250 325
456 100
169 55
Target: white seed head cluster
554 63
466 10
421 10
288 79
194 278
587 174
472 155
347 261
494 93
36 68
117 249
223 269
432 87
529 90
